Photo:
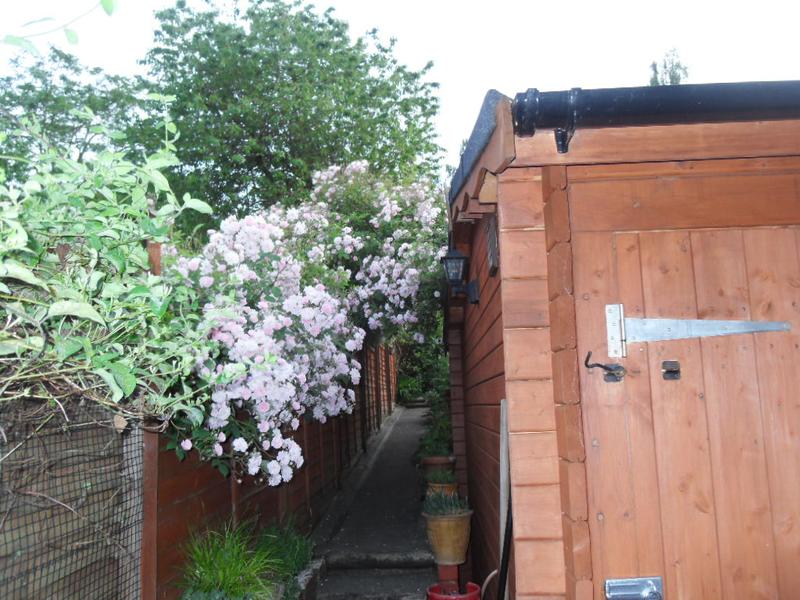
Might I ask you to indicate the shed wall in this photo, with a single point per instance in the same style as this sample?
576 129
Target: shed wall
484 387
538 539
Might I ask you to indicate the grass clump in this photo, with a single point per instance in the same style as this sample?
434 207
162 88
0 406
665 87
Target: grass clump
440 476
294 550
227 565
440 504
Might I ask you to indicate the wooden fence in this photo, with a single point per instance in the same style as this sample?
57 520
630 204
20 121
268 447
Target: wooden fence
182 497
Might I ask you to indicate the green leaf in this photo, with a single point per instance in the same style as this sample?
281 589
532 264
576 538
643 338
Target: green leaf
159 181
116 391
109 6
21 42
70 308
116 258
66 347
195 415
72 37
13 270
15 346
197 205
124 378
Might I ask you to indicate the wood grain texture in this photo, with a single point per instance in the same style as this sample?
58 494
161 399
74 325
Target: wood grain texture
691 549
684 169
681 203
527 354
639 412
523 254
543 571
610 482
773 274
519 199
534 458
530 406
562 319
572 478
736 433
663 143
537 512
559 270
566 378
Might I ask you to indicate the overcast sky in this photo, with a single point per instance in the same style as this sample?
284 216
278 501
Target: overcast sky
509 45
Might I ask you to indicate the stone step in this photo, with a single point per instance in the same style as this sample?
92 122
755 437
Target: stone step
376 584
347 559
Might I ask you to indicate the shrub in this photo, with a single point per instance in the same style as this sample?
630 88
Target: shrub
294 551
227 564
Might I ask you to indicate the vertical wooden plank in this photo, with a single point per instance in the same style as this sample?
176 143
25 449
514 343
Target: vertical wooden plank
773 272
744 519
691 552
647 506
612 514
149 554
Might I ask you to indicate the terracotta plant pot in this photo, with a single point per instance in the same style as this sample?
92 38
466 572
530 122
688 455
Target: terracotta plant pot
451 489
434 463
435 592
448 536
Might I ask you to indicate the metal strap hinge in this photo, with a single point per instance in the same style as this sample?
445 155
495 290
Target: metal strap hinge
622 330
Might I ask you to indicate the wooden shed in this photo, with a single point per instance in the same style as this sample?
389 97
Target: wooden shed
657 228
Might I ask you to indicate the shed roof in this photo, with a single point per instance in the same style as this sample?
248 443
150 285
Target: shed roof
565 111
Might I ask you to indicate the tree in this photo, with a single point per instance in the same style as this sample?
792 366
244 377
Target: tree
671 71
45 93
267 95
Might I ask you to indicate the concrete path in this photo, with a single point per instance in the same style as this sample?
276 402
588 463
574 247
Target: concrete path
378 548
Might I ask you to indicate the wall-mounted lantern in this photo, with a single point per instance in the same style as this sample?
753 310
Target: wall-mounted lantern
455 270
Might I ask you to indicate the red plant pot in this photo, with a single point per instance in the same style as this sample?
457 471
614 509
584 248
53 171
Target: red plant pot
435 592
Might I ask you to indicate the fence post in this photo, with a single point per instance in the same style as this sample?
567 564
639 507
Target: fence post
363 398
149 554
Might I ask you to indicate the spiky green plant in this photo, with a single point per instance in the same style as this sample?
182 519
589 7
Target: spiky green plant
294 551
227 562
440 476
440 504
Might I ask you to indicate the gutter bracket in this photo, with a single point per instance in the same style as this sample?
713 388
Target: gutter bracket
564 134
563 138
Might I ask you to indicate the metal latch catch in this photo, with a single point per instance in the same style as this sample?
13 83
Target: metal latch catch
635 588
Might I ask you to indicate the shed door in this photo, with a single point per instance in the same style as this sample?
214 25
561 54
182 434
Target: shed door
698 479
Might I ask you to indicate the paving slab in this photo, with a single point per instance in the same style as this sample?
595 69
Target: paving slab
379 550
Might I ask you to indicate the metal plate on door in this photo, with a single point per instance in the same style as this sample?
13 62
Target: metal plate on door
621 331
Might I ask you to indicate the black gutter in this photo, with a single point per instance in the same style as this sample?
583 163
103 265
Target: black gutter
478 139
565 111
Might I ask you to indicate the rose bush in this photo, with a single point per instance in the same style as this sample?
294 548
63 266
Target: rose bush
287 298
234 344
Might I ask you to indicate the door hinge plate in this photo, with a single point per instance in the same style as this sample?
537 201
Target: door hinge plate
622 331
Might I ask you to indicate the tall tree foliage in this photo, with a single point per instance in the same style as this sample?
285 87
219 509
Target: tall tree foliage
44 102
670 71
268 94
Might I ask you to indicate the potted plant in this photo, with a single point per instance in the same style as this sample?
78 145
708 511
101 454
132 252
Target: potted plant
441 481
448 525
434 451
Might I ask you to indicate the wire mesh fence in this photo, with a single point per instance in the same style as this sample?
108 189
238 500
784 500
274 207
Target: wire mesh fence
70 503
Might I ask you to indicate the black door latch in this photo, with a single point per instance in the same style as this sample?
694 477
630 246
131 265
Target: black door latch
614 373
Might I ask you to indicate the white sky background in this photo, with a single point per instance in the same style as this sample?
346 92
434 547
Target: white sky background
509 45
